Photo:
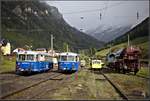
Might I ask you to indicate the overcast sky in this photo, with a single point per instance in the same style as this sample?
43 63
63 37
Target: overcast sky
114 13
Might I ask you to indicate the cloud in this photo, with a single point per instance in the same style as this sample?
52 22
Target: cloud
114 13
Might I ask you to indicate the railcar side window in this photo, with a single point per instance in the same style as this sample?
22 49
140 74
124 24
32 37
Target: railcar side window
30 57
76 58
21 57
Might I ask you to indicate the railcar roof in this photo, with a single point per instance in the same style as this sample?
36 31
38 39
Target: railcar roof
27 52
96 60
117 53
32 52
68 53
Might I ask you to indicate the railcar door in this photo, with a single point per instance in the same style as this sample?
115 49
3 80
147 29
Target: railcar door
41 63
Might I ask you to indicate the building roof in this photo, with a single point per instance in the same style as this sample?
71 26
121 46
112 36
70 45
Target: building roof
27 52
132 49
96 60
32 52
68 53
40 49
119 52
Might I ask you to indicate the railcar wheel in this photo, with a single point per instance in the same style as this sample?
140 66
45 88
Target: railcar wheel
59 70
124 70
135 71
18 72
118 70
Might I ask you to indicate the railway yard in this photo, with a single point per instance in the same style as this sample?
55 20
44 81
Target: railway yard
97 51
83 84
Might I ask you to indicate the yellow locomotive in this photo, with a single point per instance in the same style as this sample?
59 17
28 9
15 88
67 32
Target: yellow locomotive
96 64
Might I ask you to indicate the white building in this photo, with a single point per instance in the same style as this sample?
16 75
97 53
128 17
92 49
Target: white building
6 50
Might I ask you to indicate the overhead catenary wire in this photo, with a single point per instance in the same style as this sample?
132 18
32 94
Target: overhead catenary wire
104 14
94 10
88 11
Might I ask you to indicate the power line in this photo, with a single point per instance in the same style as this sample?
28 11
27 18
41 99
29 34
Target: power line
105 9
94 10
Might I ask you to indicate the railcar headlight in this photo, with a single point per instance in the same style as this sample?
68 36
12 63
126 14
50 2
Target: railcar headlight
18 64
60 63
73 64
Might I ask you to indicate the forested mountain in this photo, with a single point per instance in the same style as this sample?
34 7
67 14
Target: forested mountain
33 22
140 30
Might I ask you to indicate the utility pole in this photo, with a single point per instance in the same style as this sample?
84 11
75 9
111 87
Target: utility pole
0 22
67 47
81 23
128 40
137 14
52 43
110 48
100 16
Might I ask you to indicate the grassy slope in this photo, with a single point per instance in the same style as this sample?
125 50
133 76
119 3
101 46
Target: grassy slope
145 72
141 42
7 64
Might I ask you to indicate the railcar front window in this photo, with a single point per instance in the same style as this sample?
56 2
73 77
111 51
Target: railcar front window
67 58
48 58
63 58
96 62
71 58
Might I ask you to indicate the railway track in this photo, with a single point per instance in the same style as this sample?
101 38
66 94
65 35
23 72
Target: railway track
53 77
42 93
118 90
64 80
32 85
13 77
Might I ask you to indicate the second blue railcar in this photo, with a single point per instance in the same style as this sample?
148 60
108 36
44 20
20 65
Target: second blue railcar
68 62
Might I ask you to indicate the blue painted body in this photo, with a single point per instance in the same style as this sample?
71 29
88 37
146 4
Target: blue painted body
33 66
68 66
31 61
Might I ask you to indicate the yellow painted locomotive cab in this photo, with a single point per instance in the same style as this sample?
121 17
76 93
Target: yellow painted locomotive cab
97 64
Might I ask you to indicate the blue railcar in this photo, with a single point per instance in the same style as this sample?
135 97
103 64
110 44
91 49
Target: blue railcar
30 61
68 62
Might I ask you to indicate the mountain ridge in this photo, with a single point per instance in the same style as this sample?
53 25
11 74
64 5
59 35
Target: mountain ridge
36 21
109 33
